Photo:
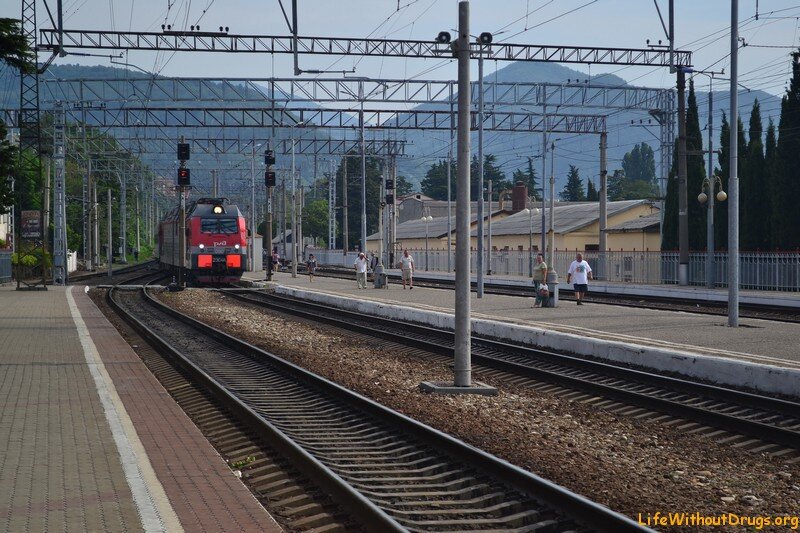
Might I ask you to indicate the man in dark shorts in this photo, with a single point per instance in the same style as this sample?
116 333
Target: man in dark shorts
579 274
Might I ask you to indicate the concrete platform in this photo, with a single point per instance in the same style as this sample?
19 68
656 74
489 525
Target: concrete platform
763 355
89 439
789 300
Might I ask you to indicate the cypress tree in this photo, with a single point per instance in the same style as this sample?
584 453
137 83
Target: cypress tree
752 202
695 173
785 229
669 234
592 195
573 190
770 156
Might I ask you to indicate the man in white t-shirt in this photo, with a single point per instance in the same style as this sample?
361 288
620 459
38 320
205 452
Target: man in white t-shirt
579 274
360 265
407 269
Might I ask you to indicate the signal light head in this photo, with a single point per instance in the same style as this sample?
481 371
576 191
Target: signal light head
443 37
485 38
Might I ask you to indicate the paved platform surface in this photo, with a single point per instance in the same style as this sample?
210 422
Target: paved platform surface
776 298
772 343
90 441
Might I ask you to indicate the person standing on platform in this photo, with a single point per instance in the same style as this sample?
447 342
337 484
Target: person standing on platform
579 274
311 265
407 269
361 263
539 278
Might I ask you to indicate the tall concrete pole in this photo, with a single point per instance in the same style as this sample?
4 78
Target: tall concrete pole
551 230
123 216
252 248
214 184
449 187
110 243
603 205
463 353
332 207
393 222
544 171
489 232
710 281
294 213
345 240
733 181
363 181
138 217
95 224
90 214
683 196
481 233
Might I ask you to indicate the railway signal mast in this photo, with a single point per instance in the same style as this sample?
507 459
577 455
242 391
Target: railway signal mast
184 182
269 183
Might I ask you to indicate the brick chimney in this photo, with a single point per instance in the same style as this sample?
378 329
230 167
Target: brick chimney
519 197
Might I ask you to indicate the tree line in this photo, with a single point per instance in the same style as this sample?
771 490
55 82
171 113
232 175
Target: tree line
768 167
636 179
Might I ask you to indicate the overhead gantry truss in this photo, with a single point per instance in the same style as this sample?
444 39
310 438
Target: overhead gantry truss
161 144
339 46
280 90
184 117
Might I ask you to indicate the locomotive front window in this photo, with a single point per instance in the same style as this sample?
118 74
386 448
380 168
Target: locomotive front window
219 225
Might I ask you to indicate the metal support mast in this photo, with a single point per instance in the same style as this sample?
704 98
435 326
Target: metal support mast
332 207
29 150
603 274
463 326
481 234
59 200
733 181
683 202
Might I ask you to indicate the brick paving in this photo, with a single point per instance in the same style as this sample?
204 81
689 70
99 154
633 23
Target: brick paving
60 468
201 487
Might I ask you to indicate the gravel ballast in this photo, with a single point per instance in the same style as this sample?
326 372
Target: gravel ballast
632 466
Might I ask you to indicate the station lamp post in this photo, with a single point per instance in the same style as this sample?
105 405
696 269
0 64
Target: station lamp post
707 195
294 204
531 212
427 219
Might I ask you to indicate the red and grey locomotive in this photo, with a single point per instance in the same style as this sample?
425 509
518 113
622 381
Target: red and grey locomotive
216 241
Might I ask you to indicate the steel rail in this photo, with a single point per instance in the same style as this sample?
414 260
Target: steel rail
571 371
555 497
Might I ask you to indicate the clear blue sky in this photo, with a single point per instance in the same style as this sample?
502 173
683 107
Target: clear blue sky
700 26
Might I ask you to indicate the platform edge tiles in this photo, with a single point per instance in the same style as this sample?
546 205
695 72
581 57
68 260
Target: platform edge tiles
148 493
717 369
181 480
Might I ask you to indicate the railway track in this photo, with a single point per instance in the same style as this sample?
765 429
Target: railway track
763 312
743 419
121 275
387 470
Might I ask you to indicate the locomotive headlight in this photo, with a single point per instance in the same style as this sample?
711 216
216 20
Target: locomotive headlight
201 245
218 210
236 246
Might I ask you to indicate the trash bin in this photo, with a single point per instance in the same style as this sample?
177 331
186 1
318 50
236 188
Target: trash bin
380 277
552 286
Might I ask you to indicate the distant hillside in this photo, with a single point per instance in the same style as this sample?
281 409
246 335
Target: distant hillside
626 128
511 149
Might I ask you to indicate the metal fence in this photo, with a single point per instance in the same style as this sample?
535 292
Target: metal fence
5 266
770 271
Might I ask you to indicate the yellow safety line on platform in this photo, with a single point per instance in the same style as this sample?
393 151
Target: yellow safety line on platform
151 500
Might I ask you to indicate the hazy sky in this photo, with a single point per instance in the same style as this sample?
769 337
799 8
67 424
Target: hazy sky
701 26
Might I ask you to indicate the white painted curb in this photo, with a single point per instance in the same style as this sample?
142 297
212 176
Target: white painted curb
719 370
